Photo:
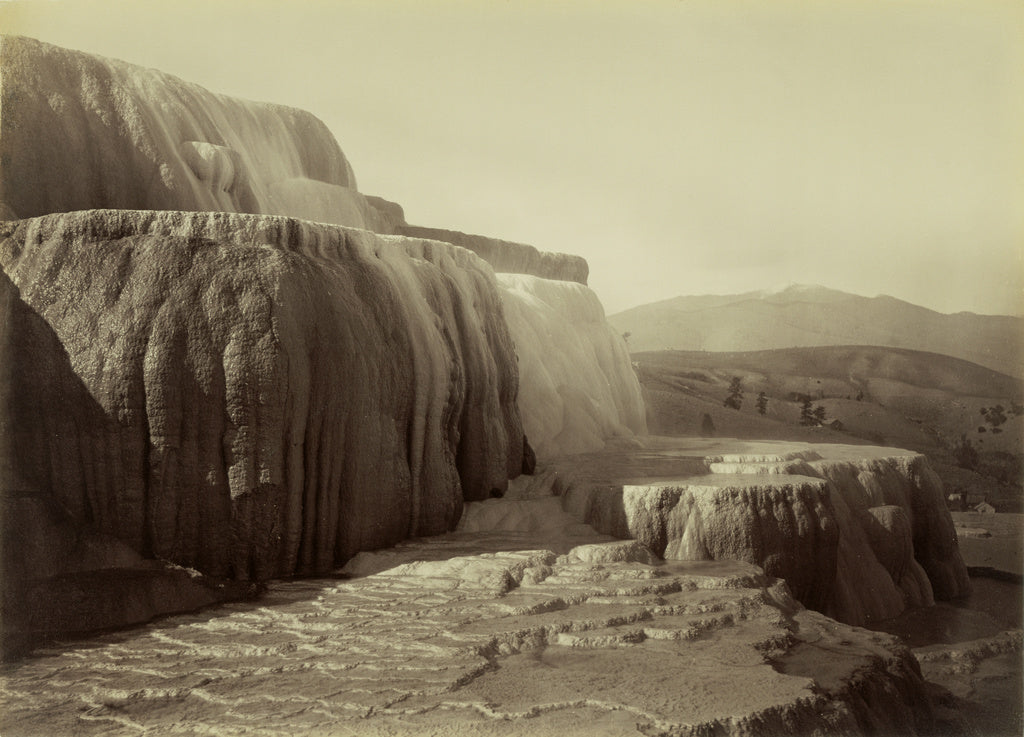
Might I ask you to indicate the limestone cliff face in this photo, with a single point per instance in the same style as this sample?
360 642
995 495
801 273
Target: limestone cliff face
80 131
252 396
577 384
858 540
859 533
786 528
894 507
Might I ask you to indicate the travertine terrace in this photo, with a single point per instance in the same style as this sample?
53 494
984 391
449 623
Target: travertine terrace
224 366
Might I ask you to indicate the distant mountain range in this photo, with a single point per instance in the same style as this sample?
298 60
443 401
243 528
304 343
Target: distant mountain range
804 316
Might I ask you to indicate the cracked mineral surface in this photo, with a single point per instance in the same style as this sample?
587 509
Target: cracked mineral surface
508 633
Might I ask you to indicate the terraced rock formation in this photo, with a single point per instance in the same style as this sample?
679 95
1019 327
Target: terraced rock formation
260 396
203 387
577 389
487 635
249 395
859 533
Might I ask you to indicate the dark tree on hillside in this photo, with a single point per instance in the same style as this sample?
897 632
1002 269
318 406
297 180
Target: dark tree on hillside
996 415
762 403
819 415
966 454
735 398
707 426
807 413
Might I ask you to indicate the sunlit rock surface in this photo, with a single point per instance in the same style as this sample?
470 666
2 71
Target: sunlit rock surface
509 257
859 533
81 131
248 395
577 386
485 634
256 396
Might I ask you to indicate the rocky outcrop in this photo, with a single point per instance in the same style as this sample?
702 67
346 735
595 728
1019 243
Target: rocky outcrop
577 386
252 396
225 391
891 504
68 116
859 533
509 257
785 526
80 131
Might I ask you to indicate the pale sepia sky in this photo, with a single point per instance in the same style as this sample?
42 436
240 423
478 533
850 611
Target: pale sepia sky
681 146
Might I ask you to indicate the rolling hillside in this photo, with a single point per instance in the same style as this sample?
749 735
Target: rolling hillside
804 316
880 396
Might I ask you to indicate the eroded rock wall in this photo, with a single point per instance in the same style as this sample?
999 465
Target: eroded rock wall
859 533
255 396
577 387
786 528
899 546
80 131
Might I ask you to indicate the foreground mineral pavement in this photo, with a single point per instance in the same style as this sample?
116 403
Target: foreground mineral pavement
525 621
446 639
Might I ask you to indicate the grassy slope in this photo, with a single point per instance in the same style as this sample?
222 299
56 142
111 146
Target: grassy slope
909 399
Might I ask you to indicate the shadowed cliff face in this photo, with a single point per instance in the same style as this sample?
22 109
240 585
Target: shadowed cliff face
274 395
42 403
249 372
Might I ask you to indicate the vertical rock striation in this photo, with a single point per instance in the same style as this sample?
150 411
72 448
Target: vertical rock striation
898 546
859 533
256 396
784 526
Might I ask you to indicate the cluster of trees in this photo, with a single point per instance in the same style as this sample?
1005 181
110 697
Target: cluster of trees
810 415
734 400
997 415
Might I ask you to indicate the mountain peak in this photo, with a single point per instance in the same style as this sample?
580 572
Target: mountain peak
803 315
803 292
794 289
